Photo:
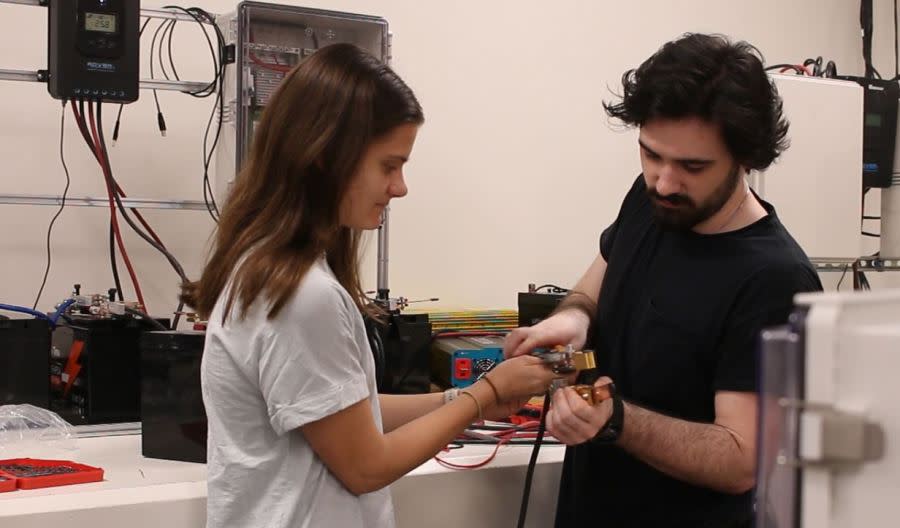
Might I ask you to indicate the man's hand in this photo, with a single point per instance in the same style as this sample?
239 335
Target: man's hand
573 421
564 328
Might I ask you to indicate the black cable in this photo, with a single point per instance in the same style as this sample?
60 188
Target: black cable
868 234
82 127
160 120
144 317
162 64
113 186
526 492
863 280
846 267
62 204
169 40
816 64
115 135
865 23
871 218
216 86
552 287
218 62
112 260
177 315
220 101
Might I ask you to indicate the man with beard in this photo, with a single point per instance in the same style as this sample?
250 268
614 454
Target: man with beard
691 270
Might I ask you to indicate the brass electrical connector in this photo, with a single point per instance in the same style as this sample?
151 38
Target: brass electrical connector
594 394
565 359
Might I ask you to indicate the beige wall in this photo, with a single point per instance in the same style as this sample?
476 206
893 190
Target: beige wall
514 175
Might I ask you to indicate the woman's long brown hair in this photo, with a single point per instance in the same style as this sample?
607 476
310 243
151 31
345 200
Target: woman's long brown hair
282 214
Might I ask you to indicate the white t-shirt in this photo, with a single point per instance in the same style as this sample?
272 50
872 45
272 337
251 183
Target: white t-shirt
262 380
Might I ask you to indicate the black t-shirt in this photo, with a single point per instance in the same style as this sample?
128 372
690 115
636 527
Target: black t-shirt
677 320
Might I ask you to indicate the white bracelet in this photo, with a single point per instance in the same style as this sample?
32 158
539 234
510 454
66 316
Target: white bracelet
451 394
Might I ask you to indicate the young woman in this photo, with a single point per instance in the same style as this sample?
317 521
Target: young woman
298 435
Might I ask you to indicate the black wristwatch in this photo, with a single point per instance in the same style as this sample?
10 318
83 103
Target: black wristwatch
612 429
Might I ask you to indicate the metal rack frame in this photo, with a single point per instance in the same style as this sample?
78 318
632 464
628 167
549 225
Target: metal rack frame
861 264
182 86
145 84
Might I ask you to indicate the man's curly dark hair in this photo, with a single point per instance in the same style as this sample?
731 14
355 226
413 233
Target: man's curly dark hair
709 77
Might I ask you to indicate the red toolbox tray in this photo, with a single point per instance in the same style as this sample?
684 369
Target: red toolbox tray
7 483
32 473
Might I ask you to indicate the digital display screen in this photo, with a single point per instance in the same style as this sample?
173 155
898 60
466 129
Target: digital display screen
873 120
100 22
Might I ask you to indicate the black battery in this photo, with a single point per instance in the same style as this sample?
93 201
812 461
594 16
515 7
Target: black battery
534 307
402 353
173 417
24 362
95 369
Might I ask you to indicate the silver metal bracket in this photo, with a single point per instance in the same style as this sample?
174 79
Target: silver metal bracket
833 438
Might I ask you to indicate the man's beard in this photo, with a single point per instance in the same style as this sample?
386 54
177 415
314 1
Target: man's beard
686 214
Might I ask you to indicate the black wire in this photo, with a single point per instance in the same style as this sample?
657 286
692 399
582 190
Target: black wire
177 315
217 87
152 73
162 65
863 280
218 62
169 40
144 317
871 218
62 204
846 267
172 260
866 24
121 105
553 287
526 492
868 234
112 260
82 127
153 51
208 195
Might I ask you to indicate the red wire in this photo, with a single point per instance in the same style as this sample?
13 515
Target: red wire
140 218
505 436
81 125
104 164
477 465
798 66
266 65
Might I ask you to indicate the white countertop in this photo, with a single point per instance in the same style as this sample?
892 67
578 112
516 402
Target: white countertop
155 492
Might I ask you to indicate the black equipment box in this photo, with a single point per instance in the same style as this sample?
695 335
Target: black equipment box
24 362
174 419
401 350
534 307
95 373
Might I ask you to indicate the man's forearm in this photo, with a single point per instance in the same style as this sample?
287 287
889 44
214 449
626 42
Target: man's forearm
707 455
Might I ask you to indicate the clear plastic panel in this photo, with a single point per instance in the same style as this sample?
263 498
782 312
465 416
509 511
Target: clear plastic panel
781 382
